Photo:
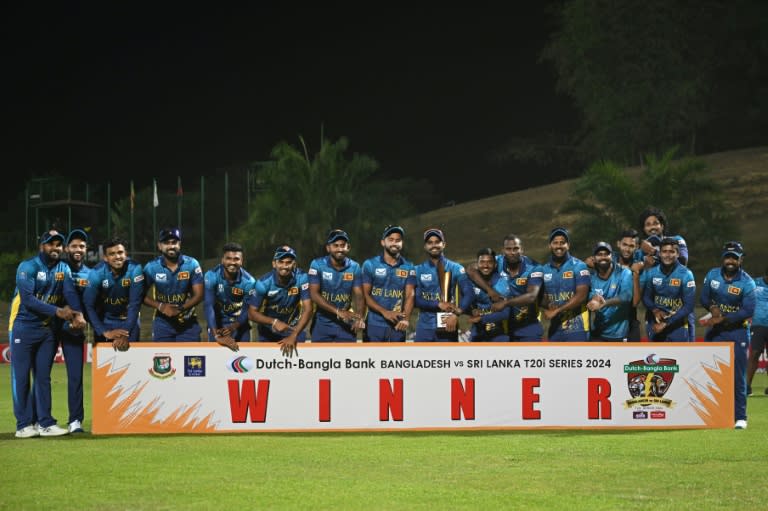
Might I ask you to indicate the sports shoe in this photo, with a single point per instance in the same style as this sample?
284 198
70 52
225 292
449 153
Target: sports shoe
27 432
749 390
53 430
76 427
766 391
741 424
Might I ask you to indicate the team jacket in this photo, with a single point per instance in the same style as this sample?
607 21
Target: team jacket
225 301
559 285
40 290
174 286
735 299
114 299
387 285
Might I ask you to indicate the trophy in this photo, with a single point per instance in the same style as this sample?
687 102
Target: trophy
444 278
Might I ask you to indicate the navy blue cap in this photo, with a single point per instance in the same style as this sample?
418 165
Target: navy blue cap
559 231
169 233
601 245
50 235
392 228
654 240
284 251
77 233
733 248
434 231
335 235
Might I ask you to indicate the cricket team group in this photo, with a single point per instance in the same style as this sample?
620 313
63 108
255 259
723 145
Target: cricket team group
504 297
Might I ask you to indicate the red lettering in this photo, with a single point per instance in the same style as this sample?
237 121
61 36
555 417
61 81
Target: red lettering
325 401
530 398
245 399
463 399
598 392
390 400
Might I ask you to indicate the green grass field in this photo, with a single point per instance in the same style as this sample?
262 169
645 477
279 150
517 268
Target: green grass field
698 469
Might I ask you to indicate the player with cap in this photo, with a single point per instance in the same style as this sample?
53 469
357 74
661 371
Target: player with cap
73 339
177 288
335 286
114 296
44 293
610 296
669 295
389 281
728 294
565 287
227 289
280 304
443 292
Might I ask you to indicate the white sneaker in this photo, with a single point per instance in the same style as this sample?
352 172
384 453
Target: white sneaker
76 427
54 430
741 424
27 432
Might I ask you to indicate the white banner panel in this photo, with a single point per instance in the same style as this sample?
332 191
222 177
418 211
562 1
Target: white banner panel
205 388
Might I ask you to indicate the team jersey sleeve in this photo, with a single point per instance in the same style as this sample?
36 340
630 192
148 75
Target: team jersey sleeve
90 295
689 299
209 299
303 283
135 296
705 300
25 282
748 303
367 276
196 276
626 286
314 273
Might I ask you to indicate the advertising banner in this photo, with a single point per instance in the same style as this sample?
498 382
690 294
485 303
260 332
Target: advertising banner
206 388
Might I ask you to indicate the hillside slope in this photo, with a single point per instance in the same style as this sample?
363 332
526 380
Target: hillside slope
532 213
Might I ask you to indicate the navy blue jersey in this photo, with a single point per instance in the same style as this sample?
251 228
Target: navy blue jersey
335 285
428 290
79 277
559 286
387 285
280 302
174 287
114 299
40 290
735 298
491 324
612 322
225 301
674 293
529 274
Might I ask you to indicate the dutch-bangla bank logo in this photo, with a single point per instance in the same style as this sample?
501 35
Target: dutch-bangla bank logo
240 364
648 380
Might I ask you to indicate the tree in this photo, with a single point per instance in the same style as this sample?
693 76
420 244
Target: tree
609 200
304 197
640 73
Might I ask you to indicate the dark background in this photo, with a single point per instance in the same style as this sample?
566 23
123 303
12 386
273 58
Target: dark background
133 92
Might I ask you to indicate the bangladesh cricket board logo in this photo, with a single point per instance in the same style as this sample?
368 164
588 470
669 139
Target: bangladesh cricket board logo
162 366
649 379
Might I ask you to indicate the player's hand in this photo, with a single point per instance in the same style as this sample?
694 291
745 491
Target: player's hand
451 323
121 343
111 335
288 346
78 321
227 342
65 313
402 325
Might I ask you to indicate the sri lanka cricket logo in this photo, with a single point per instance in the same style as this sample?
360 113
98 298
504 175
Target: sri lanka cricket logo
162 367
649 379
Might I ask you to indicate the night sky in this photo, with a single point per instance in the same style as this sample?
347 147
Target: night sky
142 93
